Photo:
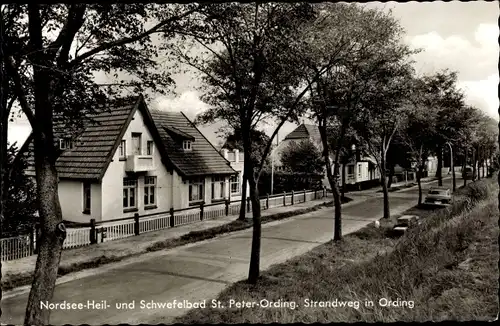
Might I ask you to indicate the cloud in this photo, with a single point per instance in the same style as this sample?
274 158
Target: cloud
483 94
188 102
474 60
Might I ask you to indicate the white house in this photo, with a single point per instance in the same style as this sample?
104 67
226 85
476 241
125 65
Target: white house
136 161
360 169
236 159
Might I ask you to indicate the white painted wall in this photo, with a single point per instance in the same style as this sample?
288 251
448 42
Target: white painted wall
112 182
71 198
237 165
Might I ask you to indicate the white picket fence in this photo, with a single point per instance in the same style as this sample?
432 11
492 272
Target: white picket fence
154 223
76 237
15 247
19 247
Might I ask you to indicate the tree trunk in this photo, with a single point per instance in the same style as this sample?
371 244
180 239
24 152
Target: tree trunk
391 176
343 182
385 189
254 269
453 175
474 171
243 201
479 163
3 158
53 233
439 173
333 179
419 182
465 165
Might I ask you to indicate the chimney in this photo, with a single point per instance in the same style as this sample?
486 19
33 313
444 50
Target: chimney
236 156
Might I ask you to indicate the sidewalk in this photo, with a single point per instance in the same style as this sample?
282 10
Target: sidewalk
134 245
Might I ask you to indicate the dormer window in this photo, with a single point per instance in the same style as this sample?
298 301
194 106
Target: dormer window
186 145
65 143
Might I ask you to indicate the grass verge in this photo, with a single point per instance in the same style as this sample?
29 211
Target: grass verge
11 281
445 268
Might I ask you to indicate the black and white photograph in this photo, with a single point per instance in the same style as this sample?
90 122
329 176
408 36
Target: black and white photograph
249 162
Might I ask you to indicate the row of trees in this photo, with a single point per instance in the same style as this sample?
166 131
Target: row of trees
342 65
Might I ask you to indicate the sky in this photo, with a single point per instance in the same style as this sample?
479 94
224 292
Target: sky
460 36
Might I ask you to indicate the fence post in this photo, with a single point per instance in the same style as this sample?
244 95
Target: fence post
136 224
93 235
227 207
172 217
201 210
315 193
304 195
248 204
293 195
267 201
284 198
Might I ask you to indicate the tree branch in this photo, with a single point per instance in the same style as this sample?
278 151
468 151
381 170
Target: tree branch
127 40
73 23
26 108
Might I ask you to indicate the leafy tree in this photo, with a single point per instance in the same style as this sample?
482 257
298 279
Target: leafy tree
251 77
418 132
302 156
50 55
20 205
442 94
385 111
365 43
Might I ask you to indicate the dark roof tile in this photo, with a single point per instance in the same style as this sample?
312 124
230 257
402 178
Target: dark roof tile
202 159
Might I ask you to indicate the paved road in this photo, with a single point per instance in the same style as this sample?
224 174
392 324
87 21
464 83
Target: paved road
198 271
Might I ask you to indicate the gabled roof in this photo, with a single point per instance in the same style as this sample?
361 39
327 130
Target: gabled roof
95 146
305 131
202 159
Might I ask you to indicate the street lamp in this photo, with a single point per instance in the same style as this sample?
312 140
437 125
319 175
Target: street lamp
452 167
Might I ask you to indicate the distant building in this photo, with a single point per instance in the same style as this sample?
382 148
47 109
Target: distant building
360 168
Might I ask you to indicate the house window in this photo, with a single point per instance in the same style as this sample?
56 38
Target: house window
196 190
65 143
149 147
186 145
359 171
136 144
235 184
149 191
350 170
218 187
123 149
86 198
129 193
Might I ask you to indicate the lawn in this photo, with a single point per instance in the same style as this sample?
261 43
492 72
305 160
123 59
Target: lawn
444 269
